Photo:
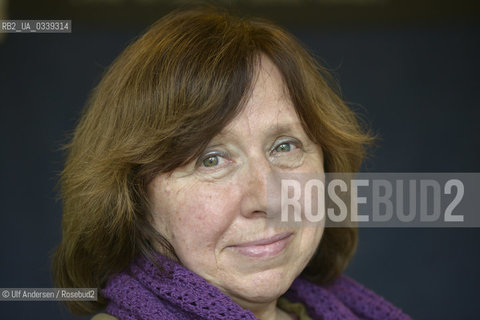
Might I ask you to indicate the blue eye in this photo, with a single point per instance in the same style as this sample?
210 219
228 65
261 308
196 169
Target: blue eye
210 161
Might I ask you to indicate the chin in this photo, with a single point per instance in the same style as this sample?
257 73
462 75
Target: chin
265 286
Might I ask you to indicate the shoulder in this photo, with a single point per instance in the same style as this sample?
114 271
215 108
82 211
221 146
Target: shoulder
103 316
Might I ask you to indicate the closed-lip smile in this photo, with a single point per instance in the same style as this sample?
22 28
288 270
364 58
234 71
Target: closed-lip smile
267 247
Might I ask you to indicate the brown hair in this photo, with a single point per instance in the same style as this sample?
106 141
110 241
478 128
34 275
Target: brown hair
156 108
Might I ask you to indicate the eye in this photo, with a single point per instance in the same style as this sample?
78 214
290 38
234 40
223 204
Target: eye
212 159
286 145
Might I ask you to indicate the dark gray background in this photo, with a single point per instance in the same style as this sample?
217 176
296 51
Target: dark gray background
417 86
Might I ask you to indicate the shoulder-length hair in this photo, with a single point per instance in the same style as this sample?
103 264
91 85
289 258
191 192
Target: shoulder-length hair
156 108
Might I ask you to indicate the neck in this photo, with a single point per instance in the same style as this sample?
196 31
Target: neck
265 311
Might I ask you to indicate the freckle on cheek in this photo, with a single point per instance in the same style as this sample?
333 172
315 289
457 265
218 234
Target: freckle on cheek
178 216
201 217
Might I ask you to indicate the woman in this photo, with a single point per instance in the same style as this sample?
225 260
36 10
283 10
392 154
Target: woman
164 187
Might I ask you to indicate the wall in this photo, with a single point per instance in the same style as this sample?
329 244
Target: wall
417 87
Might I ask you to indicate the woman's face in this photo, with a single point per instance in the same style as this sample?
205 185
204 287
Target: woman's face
213 210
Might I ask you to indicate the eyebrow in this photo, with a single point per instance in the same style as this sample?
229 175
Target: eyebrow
283 128
273 130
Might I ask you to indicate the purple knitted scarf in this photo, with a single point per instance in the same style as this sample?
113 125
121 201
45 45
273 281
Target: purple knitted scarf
144 292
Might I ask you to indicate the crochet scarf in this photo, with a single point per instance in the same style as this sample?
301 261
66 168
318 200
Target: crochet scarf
144 292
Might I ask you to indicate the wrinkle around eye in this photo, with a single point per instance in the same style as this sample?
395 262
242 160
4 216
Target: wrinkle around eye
286 160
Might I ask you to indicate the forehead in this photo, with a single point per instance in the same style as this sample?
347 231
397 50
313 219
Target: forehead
268 89
268 104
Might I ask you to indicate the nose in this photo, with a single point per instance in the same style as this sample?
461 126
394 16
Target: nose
254 181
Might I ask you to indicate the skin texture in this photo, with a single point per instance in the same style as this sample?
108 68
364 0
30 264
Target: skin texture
209 207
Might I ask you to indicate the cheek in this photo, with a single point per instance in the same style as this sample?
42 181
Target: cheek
196 218
308 243
313 236
315 162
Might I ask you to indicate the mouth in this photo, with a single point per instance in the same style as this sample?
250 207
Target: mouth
267 247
